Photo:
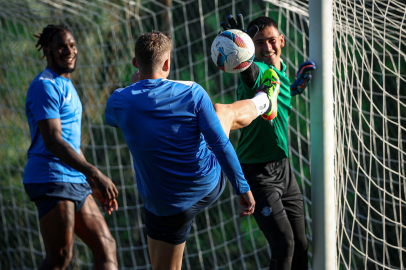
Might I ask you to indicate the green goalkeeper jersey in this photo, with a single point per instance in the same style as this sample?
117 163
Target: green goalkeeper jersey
260 142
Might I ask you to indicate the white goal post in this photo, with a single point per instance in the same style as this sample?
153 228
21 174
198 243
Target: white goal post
321 133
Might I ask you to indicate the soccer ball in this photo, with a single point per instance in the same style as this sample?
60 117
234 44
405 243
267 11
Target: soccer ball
232 51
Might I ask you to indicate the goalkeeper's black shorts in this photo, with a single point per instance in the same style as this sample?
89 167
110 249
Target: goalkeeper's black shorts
269 183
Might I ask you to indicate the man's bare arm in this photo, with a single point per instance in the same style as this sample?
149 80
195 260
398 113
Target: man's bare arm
111 205
51 131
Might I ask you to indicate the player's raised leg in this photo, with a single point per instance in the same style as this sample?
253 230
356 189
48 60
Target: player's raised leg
91 227
57 230
236 115
241 113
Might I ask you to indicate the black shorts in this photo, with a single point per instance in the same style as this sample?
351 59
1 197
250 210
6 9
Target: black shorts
270 183
48 195
174 229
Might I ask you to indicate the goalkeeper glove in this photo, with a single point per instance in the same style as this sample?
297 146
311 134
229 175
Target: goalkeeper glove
302 78
239 24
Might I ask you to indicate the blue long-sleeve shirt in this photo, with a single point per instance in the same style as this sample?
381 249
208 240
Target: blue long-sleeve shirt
166 125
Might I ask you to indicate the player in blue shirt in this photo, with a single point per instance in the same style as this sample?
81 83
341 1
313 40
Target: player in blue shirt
57 176
168 126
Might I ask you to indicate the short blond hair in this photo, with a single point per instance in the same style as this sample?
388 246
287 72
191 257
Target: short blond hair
150 49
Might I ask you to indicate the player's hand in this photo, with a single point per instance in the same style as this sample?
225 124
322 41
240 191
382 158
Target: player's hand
135 77
302 78
239 24
247 203
103 185
110 206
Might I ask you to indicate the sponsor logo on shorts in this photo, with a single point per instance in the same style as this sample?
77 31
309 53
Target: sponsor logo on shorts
266 211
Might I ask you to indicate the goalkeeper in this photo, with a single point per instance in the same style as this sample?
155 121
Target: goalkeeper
263 148
167 126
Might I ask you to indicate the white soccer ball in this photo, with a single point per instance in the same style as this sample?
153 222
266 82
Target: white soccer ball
233 51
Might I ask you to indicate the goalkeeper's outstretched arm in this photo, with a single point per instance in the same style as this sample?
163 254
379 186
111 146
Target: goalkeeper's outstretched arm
250 75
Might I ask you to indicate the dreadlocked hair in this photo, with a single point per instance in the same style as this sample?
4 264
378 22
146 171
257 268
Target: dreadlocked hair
48 32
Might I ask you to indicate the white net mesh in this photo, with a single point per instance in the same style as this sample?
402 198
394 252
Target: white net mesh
369 107
370 118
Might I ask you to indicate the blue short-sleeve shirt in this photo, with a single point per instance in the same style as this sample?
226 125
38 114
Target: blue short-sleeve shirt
52 96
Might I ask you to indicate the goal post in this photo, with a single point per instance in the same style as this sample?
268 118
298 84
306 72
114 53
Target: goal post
322 135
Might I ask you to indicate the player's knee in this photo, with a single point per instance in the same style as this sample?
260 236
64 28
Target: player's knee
223 111
112 246
283 245
111 255
301 244
219 108
108 248
290 244
287 244
59 260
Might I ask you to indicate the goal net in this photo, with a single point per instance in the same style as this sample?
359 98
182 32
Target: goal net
370 118
369 72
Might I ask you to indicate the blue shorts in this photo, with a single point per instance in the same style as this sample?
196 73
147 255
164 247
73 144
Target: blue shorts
47 195
175 229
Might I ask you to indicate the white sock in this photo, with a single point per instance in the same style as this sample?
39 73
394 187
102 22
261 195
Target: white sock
261 102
